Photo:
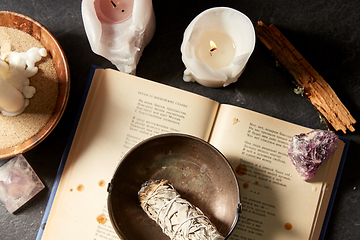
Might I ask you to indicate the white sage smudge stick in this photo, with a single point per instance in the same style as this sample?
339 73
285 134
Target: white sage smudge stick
178 218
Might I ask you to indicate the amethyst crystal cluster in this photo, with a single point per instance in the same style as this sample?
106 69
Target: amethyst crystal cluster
308 151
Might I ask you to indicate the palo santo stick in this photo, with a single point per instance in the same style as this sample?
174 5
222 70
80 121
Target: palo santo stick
318 92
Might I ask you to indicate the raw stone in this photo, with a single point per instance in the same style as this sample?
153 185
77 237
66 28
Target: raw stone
308 151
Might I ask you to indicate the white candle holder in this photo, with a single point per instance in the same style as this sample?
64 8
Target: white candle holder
121 41
222 65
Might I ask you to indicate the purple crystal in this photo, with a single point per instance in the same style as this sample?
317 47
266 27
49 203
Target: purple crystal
308 151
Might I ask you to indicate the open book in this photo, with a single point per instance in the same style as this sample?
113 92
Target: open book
121 110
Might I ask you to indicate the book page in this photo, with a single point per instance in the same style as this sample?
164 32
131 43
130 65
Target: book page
120 111
277 203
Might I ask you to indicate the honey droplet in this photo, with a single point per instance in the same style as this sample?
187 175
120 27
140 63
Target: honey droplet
235 121
288 226
101 219
256 182
101 183
71 189
246 185
80 188
241 170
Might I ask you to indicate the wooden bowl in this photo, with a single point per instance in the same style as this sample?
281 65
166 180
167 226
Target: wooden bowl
197 170
40 33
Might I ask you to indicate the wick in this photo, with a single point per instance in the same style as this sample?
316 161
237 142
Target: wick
114 5
211 50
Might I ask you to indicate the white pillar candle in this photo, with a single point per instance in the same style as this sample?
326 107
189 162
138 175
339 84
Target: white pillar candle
119 30
221 64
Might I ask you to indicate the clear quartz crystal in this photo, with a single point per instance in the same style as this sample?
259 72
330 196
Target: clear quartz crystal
18 183
308 151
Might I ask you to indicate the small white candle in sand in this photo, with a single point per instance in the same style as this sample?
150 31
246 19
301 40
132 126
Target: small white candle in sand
11 99
15 70
119 30
216 47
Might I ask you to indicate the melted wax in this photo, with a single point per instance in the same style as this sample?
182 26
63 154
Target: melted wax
15 70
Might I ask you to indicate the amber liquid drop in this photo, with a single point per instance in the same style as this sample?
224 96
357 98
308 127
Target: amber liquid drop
241 170
101 219
101 183
288 226
80 188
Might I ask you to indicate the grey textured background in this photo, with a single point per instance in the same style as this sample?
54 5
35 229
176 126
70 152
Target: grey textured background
325 32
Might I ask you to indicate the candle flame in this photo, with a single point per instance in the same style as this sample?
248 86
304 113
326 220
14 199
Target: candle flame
212 46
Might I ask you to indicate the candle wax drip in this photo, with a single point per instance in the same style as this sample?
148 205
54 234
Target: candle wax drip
20 67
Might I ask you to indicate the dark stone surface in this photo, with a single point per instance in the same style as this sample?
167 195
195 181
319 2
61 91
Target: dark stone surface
325 32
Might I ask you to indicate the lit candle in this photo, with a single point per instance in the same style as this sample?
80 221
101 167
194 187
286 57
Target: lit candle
119 30
216 47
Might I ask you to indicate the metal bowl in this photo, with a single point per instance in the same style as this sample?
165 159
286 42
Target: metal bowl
198 171
40 33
